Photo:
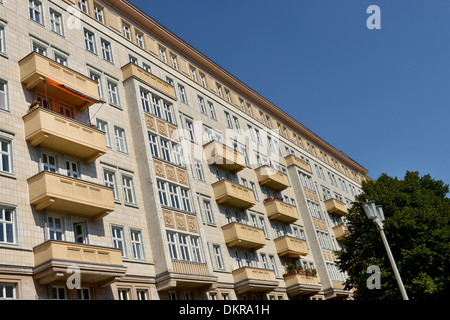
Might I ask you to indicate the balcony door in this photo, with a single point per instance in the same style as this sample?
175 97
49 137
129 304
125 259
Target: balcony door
79 231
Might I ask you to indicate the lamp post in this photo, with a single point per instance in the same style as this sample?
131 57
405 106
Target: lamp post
375 213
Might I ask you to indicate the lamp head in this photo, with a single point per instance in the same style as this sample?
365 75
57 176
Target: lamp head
370 209
380 213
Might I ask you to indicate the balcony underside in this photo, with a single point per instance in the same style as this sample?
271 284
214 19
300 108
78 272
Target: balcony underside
171 280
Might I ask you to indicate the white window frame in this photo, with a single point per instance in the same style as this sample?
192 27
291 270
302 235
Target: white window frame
128 189
121 139
137 244
35 9
8 225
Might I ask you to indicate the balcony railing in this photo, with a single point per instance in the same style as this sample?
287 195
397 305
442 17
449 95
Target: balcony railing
293 160
57 192
101 265
57 81
335 206
224 156
301 285
190 267
54 131
272 178
291 247
281 211
132 70
233 194
248 279
241 235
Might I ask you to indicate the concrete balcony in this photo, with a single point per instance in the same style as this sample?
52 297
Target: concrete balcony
54 131
187 274
57 81
272 178
131 70
100 265
340 231
336 206
223 156
244 236
248 279
233 194
301 285
293 160
281 211
291 247
57 192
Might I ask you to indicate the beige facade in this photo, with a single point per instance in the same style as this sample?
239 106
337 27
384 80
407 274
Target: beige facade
133 167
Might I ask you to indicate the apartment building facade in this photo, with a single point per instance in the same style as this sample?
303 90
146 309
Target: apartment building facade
134 167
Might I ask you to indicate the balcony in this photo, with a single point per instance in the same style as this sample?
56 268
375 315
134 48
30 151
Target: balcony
233 194
54 131
224 156
248 279
57 192
293 160
131 70
272 178
188 274
340 231
281 211
301 285
244 236
336 206
57 81
291 247
100 265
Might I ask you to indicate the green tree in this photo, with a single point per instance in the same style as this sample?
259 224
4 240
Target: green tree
417 215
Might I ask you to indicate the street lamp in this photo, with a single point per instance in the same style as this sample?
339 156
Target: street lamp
375 213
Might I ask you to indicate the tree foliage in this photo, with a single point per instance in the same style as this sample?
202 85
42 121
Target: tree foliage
417 215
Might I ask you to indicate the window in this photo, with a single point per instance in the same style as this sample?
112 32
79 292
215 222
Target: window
110 181
203 80
228 118
185 199
126 31
48 162
184 247
121 142
56 23
145 101
193 74
173 61
4 95
141 294
7 291
72 169
136 244
7 227
39 47
83 294
128 189
140 40
173 196
227 94
55 228
196 251
133 59
165 149
190 130
218 257
208 211
98 13
162 54
89 41
147 67
35 11
117 237
123 294
162 193
103 126
236 124
167 112
83 5
219 90
60 57
59 293
153 145
113 92
2 39
97 77
199 170
201 103
255 193
156 106
172 245
182 94
106 50
249 108
6 155
176 154
273 265
212 111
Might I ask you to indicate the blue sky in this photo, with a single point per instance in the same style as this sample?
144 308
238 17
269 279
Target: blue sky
381 96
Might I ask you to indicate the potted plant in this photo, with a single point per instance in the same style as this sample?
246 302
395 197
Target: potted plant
273 198
34 104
